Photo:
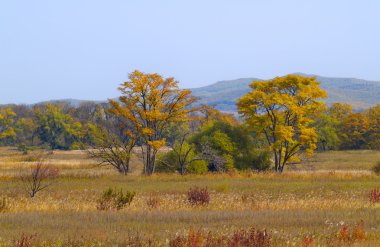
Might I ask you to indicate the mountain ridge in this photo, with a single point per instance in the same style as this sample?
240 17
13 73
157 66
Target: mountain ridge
360 93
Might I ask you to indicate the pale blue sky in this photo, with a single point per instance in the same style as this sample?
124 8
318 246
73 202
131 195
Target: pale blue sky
85 48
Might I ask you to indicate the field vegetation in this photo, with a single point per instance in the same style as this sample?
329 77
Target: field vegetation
150 169
294 207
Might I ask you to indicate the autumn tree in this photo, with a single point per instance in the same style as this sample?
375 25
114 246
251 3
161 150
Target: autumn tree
7 120
373 133
151 103
353 130
281 109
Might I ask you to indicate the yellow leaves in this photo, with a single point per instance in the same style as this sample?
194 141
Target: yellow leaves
150 103
284 133
157 144
282 108
147 131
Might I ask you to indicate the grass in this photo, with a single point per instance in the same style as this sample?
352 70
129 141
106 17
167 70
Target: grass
302 202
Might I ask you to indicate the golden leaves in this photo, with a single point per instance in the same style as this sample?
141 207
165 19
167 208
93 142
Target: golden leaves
150 102
282 108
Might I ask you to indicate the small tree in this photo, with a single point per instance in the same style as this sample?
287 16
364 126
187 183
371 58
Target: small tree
151 103
39 177
112 143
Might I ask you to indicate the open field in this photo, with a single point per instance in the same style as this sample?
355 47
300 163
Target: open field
308 200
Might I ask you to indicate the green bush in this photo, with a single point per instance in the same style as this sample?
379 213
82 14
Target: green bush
376 168
111 199
168 162
259 160
198 167
76 146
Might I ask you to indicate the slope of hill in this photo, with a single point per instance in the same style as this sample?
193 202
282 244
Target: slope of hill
359 93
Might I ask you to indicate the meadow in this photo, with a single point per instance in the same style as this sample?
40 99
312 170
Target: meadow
311 204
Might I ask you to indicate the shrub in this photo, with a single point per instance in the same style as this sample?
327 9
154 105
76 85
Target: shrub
376 168
25 241
344 233
307 241
111 199
198 167
198 196
259 160
40 176
168 162
241 238
253 237
358 233
374 195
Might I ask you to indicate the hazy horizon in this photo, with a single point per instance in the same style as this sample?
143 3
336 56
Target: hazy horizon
85 49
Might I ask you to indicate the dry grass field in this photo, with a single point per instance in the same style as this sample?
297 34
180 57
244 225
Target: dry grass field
309 205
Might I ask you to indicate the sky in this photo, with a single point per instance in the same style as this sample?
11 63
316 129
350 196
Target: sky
84 49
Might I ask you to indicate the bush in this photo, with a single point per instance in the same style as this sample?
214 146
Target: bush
168 162
240 238
374 195
358 233
259 160
198 167
26 241
111 199
376 168
198 196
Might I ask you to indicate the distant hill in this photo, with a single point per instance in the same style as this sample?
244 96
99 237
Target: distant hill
361 94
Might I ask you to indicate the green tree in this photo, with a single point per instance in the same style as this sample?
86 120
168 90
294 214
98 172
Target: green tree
327 130
56 129
225 146
282 109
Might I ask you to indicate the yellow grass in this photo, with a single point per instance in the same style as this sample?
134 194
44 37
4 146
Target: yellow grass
290 206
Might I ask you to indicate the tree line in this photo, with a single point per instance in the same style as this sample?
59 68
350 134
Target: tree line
164 126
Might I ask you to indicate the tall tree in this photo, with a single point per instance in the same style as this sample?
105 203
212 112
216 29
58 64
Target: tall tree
151 103
7 120
282 110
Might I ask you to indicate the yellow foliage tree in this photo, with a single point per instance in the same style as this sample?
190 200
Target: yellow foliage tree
373 116
282 109
7 119
150 104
